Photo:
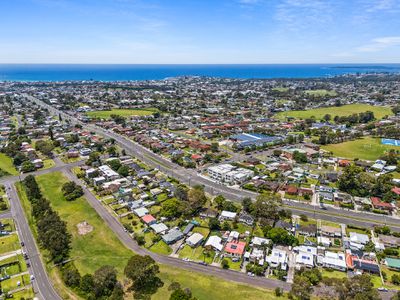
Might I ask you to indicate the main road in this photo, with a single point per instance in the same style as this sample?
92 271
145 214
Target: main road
191 177
41 283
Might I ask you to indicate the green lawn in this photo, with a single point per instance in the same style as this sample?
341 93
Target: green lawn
11 284
320 93
333 274
9 243
366 148
6 164
95 249
280 89
161 248
345 110
205 287
106 114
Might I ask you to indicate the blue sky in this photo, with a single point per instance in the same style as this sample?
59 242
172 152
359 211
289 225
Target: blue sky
199 31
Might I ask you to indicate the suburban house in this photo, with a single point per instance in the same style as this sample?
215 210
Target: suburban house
215 242
194 240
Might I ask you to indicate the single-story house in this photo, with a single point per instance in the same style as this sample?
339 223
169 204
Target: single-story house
149 219
214 242
172 236
194 240
235 249
159 227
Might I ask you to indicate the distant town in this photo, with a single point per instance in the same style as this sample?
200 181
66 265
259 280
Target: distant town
287 188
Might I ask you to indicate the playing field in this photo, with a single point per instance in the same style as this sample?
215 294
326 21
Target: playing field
106 114
367 148
6 164
320 93
345 110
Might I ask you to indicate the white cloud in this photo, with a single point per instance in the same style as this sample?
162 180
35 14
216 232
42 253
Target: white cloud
379 44
300 14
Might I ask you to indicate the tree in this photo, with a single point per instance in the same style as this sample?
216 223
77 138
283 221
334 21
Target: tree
27 166
247 204
123 170
395 279
70 275
171 208
214 147
301 288
71 191
46 147
281 236
114 164
118 292
225 264
267 206
359 287
87 283
219 200
278 292
196 199
299 157
104 279
180 294
214 224
181 192
142 271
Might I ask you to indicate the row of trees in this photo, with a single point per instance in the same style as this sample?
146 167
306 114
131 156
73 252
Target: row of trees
52 231
54 237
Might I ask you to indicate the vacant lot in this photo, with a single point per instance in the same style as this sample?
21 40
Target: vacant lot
345 110
6 164
94 249
366 148
209 287
106 114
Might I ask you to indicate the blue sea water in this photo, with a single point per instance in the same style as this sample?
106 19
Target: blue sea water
62 72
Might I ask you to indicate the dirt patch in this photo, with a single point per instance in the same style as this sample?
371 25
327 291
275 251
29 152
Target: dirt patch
84 228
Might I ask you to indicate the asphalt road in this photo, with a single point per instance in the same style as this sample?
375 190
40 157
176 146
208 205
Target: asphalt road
41 284
191 177
127 240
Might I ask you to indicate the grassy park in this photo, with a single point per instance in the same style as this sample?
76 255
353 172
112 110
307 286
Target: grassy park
345 110
6 164
106 114
366 148
320 93
93 249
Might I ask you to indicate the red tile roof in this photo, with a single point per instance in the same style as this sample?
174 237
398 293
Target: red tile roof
148 219
235 247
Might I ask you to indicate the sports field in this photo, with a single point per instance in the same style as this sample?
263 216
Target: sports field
320 93
345 110
366 148
106 114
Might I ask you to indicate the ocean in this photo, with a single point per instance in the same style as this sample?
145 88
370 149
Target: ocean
103 72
